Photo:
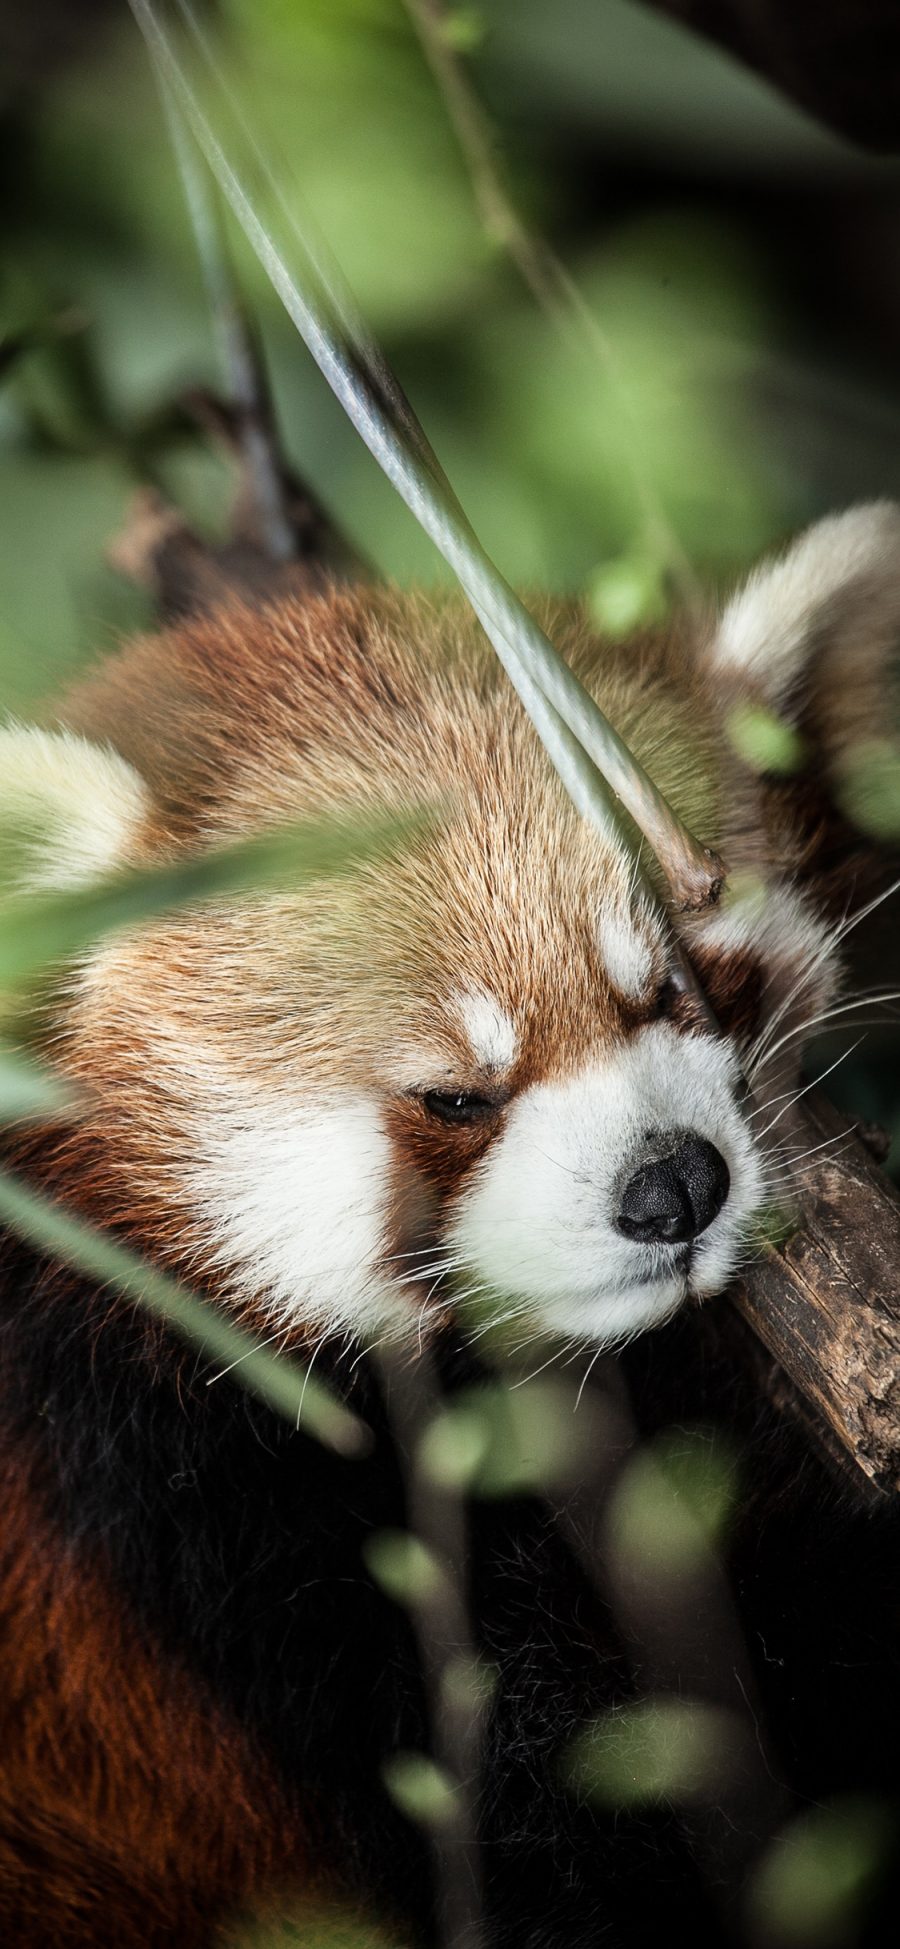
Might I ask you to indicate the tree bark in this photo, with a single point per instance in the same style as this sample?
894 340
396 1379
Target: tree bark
826 1303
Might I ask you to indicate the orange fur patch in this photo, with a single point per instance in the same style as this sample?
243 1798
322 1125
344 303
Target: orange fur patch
132 1812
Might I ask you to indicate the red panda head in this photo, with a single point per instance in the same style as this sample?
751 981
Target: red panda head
461 1075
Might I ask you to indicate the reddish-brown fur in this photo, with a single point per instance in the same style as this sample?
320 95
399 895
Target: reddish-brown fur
361 698
131 1810
136 1811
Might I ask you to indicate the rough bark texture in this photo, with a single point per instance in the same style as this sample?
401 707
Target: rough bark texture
826 1303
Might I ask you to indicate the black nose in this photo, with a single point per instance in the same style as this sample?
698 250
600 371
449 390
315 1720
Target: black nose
676 1196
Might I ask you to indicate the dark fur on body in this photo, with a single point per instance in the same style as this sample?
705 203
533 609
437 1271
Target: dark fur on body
235 1543
199 1682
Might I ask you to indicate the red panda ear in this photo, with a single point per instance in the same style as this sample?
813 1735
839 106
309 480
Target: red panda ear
827 612
813 637
78 809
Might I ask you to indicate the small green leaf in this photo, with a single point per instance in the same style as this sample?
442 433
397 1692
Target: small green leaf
660 1749
463 29
626 593
811 1885
421 1789
27 1089
765 742
870 787
454 1446
403 1566
672 1502
533 1436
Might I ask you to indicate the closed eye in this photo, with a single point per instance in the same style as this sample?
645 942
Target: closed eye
459 1106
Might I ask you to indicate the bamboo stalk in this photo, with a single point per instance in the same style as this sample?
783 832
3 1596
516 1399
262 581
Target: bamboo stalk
823 1308
549 690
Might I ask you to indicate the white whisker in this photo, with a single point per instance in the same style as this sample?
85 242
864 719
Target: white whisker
826 1144
525 1378
585 1378
313 1358
809 1086
281 1333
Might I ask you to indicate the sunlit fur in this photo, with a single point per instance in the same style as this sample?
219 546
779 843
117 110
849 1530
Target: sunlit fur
255 1071
78 804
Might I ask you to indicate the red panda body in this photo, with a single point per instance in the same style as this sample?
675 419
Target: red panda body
348 1113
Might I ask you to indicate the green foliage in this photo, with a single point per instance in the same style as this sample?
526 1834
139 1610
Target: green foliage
421 1789
499 1440
625 593
541 443
403 1567
41 928
764 741
660 1749
870 788
672 1502
455 1445
813 1882
27 1089
463 28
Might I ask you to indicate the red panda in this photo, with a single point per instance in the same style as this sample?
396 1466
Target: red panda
349 1113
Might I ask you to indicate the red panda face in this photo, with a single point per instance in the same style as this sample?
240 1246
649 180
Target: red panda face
641 1163
344 1136
461 1078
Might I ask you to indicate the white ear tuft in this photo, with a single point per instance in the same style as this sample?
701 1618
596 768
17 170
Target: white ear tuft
80 806
848 564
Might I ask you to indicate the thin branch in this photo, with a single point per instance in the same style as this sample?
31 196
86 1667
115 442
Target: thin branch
446 1644
535 668
541 270
238 350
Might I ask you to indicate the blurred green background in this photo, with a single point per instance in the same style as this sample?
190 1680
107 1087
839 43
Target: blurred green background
742 263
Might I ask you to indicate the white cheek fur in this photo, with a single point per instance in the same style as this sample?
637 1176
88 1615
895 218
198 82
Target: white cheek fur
293 1196
536 1224
291 1193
